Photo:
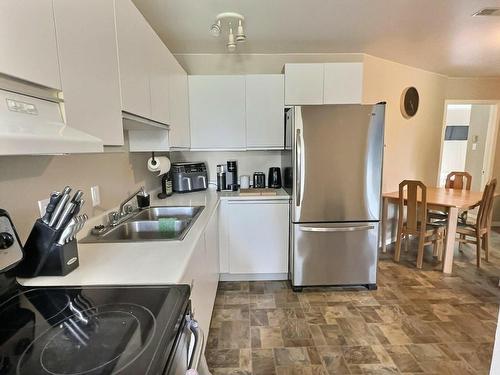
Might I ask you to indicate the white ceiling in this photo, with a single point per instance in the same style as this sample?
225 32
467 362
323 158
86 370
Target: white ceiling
436 35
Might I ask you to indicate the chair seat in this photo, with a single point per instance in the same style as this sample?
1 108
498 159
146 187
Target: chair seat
466 228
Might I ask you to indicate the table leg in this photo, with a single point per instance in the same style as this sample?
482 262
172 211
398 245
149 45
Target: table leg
451 231
385 204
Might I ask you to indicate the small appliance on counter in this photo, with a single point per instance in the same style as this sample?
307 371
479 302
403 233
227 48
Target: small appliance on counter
274 178
51 248
221 177
189 176
259 180
232 175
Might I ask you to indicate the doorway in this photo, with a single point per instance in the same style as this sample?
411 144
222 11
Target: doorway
469 141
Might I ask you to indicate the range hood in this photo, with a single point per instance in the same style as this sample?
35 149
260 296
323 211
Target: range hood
33 126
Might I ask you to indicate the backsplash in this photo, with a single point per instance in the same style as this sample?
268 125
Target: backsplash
24 180
248 161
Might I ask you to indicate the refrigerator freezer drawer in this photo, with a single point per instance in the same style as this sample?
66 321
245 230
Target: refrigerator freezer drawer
334 254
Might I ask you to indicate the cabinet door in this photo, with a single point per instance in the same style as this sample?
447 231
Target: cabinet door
217 112
180 136
134 47
89 70
265 102
159 80
258 236
28 47
303 84
343 83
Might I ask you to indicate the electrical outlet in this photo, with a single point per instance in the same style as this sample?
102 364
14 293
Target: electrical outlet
96 195
42 206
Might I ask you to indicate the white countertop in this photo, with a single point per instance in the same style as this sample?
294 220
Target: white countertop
149 262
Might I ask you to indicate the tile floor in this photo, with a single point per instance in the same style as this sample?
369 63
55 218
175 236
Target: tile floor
418 322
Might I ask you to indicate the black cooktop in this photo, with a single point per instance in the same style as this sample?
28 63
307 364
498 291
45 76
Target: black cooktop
90 330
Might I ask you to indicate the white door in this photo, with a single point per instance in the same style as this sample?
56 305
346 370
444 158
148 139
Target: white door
28 46
303 84
343 83
179 106
134 46
159 79
89 70
265 103
258 237
217 112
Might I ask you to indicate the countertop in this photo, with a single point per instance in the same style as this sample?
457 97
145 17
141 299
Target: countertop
149 262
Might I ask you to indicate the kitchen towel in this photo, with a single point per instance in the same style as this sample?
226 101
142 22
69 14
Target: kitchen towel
161 164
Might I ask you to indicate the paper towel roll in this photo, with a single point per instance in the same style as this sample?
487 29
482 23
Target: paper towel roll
161 164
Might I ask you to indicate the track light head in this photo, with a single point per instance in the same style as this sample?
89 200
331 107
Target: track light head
215 29
240 34
231 44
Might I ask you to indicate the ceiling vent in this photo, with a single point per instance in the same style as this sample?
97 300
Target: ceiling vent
487 12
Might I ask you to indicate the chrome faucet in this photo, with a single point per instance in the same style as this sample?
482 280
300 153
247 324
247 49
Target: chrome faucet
124 210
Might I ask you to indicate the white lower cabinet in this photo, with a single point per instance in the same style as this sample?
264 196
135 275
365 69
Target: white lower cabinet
254 238
202 273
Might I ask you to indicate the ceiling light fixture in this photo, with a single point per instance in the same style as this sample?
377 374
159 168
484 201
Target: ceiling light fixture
231 44
230 18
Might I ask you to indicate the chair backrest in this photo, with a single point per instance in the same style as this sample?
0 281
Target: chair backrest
455 180
415 212
486 206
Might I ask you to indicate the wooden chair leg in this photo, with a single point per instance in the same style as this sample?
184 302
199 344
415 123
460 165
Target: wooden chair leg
478 251
420 253
486 246
462 237
397 252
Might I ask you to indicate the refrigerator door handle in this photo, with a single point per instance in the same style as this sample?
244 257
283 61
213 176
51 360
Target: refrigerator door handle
336 229
298 168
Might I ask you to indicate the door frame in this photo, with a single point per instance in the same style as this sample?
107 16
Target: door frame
491 139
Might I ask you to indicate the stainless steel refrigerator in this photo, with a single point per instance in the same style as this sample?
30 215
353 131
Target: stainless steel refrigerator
333 170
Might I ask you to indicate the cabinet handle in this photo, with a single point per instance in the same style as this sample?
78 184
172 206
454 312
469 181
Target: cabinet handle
337 229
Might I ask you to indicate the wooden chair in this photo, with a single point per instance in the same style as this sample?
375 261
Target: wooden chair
479 231
456 181
416 221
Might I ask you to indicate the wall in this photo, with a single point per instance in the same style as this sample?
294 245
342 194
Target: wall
26 179
248 161
412 146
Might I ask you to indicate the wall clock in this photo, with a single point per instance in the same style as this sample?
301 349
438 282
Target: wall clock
409 102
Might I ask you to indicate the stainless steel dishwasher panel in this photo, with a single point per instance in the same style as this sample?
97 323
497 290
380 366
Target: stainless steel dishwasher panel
334 254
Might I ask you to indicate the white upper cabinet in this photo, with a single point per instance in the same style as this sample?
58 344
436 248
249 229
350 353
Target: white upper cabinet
303 84
343 83
28 48
159 80
179 106
217 112
86 41
264 111
134 47
331 83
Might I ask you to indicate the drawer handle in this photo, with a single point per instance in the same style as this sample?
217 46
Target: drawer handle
337 229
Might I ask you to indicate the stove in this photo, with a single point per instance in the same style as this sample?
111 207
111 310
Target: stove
92 330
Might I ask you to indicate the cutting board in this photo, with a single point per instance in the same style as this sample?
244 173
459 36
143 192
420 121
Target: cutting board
262 191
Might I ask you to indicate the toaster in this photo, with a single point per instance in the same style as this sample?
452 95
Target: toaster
189 176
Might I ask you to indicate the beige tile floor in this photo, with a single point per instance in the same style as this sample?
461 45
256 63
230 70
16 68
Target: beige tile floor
417 322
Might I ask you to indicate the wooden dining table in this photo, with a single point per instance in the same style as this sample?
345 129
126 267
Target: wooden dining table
441 199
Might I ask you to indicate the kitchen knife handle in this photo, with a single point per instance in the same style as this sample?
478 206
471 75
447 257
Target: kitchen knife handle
59 209
54 199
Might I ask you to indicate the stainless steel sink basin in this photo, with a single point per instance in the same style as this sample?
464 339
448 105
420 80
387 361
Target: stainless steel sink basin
152 224
155 213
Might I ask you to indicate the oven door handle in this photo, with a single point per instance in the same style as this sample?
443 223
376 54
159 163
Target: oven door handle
194 327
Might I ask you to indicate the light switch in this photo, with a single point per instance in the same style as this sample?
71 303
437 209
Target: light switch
96 195
42 206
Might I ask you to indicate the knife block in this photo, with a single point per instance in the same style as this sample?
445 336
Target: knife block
43 256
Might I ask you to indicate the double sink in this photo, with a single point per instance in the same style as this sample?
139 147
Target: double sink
152 224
